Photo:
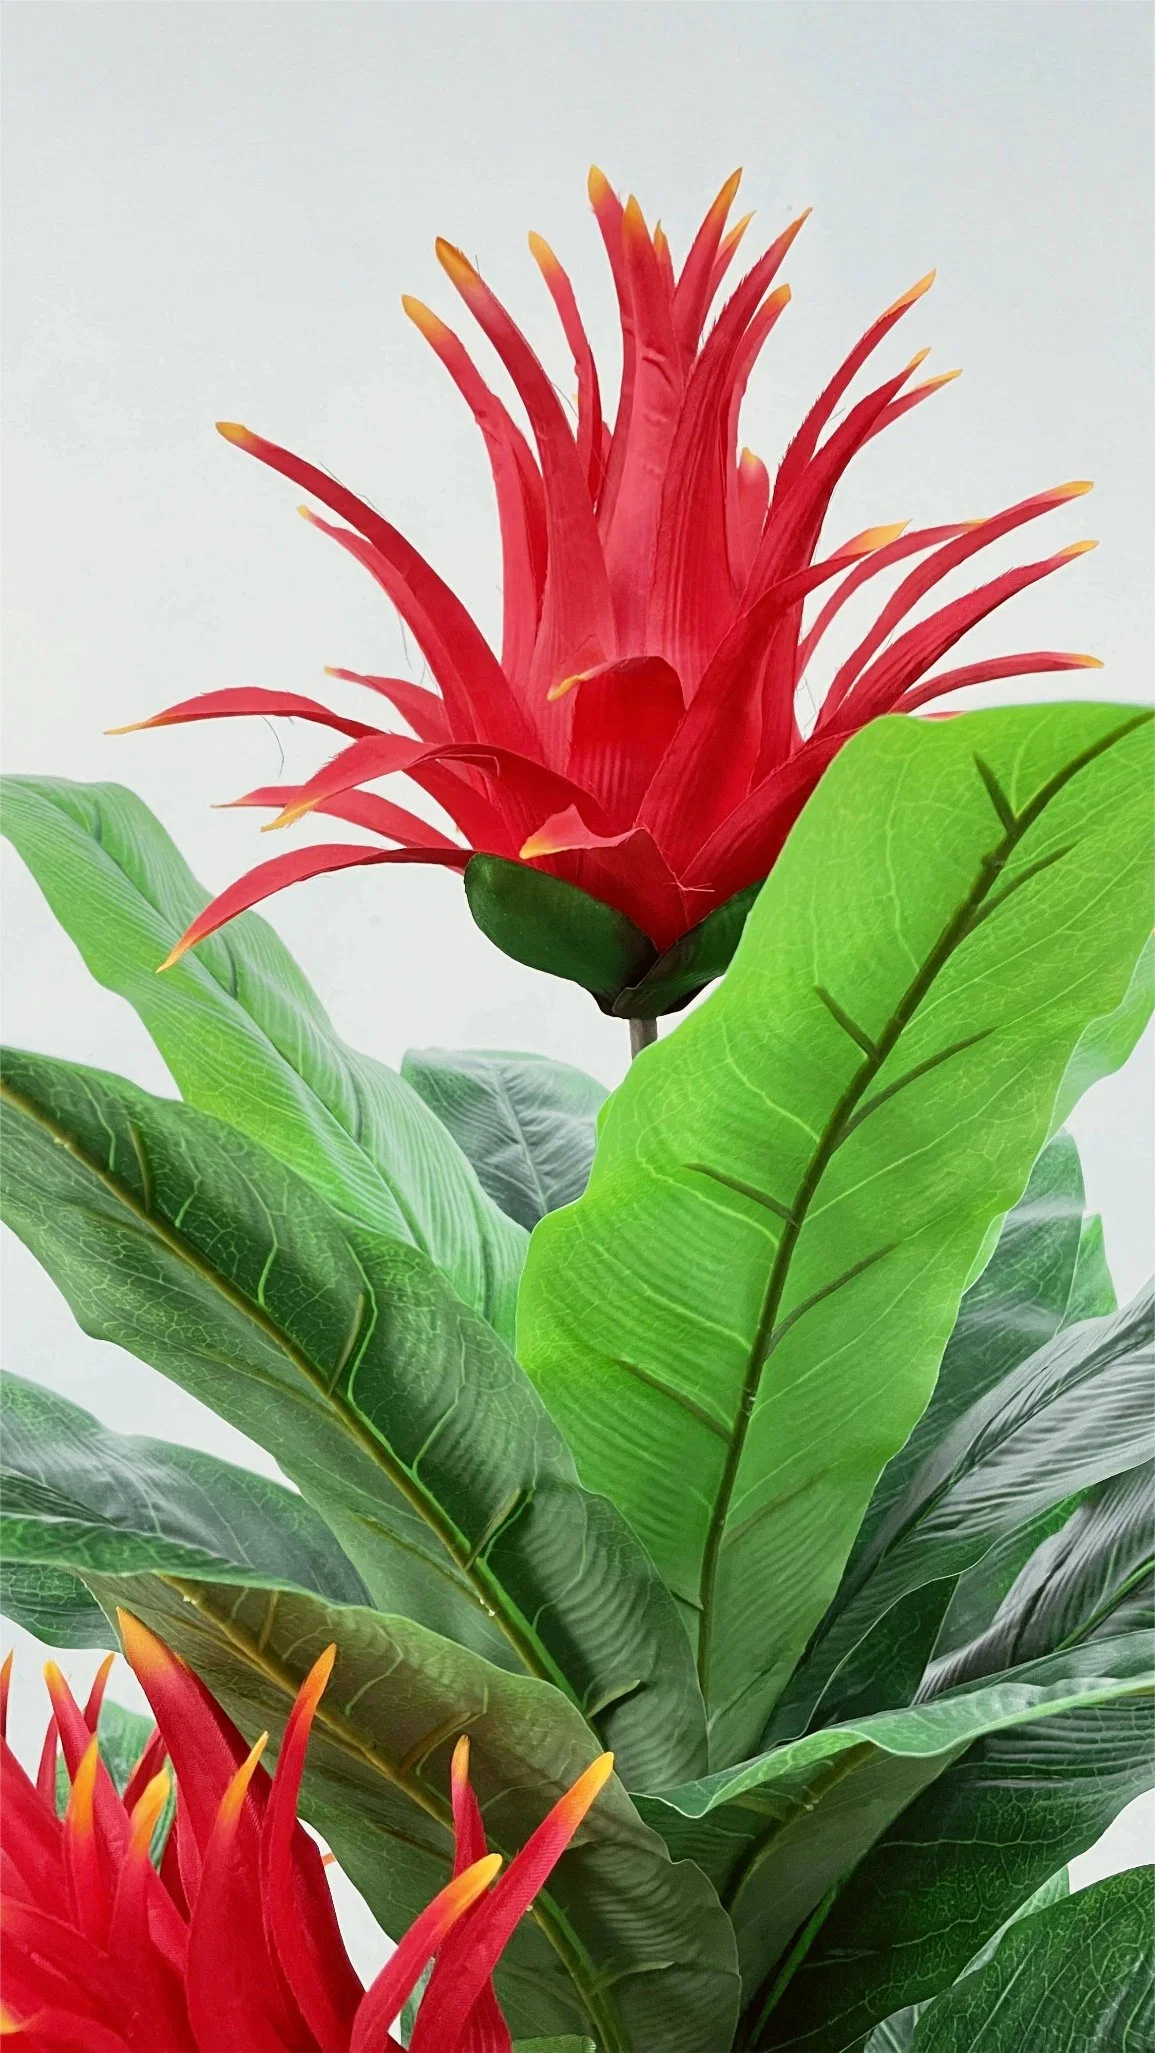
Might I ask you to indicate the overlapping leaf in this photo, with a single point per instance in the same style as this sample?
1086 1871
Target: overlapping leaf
625 1946
527 1124
776 1834
247 1038
394 1408
740 1322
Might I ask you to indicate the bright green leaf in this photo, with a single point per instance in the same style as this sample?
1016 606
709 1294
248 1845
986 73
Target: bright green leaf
1107 1042
395 1409
740 1322
527 1124
247 1038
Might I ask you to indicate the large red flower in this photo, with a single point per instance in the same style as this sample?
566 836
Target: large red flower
234 1942
634 761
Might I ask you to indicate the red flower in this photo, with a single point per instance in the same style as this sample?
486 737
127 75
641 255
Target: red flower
639 739
234 1942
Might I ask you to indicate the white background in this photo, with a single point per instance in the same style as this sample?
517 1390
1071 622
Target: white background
212 210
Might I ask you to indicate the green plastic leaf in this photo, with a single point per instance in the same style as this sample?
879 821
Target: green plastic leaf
395 1409
740 1322
1016 1305
527 1124
1092 1288
896 2034
776 1834
75 1496
1107 1042
1092 1579
1078 1977
554 926
695 960
53 1605
961 1858
1072 1415
623 1946
247 1038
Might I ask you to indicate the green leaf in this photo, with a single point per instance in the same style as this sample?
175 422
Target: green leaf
740 1322
1107 1042
959 1860
53 1605
75 1496
1092 1290
695 960
777 1833
246 1037
896 2034
1093 1579
553 926
1017 1304
395 1409
527 1124
624 1945
554 2046
1074 1978
1072 1415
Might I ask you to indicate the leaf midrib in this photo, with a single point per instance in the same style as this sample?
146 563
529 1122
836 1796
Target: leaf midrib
991 867
482 1586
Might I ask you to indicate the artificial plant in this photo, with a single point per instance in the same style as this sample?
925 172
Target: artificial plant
771 1421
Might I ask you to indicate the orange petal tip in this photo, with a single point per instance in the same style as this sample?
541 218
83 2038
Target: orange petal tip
919 357
597 185
872 539
454 262
1074 489
172 958
541 252
559 690
1077 549
1087 662
943 378
907 299
235 431
131 727
422 317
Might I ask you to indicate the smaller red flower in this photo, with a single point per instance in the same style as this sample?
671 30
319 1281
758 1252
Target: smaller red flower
233 1942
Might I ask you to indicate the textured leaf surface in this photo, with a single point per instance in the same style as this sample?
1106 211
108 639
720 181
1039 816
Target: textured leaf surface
777 1833
1108 1042
740 1322
527 1124
1070 1416
1075 1978
395 1409
53 1605
896 2034
75 1496
624 1946
958 1862
246 1037
1092 1579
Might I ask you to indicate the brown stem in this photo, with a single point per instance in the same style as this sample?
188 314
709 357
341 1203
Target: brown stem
643 1032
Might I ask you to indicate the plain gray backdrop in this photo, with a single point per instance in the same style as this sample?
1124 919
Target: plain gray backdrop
212 210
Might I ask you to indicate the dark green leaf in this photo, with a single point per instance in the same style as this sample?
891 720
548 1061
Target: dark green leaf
247 1038
958 1862
1074 1414
623 1946
53 1605
1092 1290
1095 1578
527 1124
776 1834
1074 1978
740 1322
694 961
554 926
75 1496
394 1408
896 2034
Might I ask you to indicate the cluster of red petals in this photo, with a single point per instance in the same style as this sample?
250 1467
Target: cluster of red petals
233 1943
639 735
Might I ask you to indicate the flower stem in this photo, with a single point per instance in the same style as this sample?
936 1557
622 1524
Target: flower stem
643 1032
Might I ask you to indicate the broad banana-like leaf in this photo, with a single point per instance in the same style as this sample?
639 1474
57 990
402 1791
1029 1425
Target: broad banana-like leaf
527 1124
1078 1977
896 2034
624 1946
776 1834
741 1321
247 1038
395 1409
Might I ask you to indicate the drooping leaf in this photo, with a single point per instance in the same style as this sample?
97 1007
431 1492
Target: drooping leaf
1070 1416
624 1945
1017 1304
395 1409
789 1192
777 1833
247 1038
1078 1977
527 1124
75 1496
1093 1579
959 1860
